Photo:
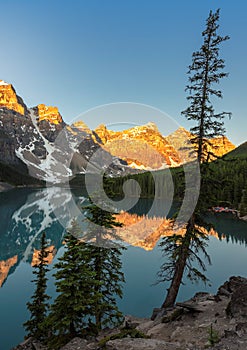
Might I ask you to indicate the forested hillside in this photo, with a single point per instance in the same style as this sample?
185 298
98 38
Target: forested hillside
16 177
231 175
229 187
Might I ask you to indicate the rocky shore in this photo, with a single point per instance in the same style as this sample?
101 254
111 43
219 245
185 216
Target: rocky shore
206 321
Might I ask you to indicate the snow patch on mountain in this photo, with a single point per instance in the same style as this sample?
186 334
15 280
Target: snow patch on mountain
50 168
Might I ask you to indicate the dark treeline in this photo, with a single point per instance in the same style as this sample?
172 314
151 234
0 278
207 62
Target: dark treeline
151 183
230 181
18 176
228 188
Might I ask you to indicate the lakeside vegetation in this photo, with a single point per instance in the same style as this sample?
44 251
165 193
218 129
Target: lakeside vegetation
89 279
228 184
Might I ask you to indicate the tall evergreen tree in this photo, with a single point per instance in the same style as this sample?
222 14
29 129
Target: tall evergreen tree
105 259
75 281
38 306
205 71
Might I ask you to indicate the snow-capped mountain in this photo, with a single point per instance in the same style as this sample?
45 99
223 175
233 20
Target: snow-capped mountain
36 141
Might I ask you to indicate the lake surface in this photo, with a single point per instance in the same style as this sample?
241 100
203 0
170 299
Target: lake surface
25 214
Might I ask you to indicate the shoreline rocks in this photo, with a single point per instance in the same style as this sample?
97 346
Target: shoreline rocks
209 321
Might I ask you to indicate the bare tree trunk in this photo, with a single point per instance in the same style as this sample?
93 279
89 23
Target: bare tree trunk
180 266
176 282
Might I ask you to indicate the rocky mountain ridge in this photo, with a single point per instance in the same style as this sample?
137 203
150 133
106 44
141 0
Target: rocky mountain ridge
141 146
38 142
9 98
181 139
135 144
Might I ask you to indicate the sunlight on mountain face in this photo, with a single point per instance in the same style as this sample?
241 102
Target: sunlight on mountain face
167 151
49 113
9 99
53 151
141 146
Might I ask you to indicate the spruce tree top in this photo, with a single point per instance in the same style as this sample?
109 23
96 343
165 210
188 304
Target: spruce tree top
205 71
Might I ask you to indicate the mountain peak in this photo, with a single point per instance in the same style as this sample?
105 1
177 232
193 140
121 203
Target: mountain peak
80 125
151 125
49 113
9 99
2 82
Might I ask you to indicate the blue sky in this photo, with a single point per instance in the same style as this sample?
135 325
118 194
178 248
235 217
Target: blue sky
81 54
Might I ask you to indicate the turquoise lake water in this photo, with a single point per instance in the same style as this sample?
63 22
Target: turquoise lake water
25 214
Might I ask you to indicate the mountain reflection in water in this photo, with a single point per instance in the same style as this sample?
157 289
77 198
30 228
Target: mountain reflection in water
28 213
25 214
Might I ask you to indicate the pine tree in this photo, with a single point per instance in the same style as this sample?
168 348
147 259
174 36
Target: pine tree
105 255
75 282
38 306
205 71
